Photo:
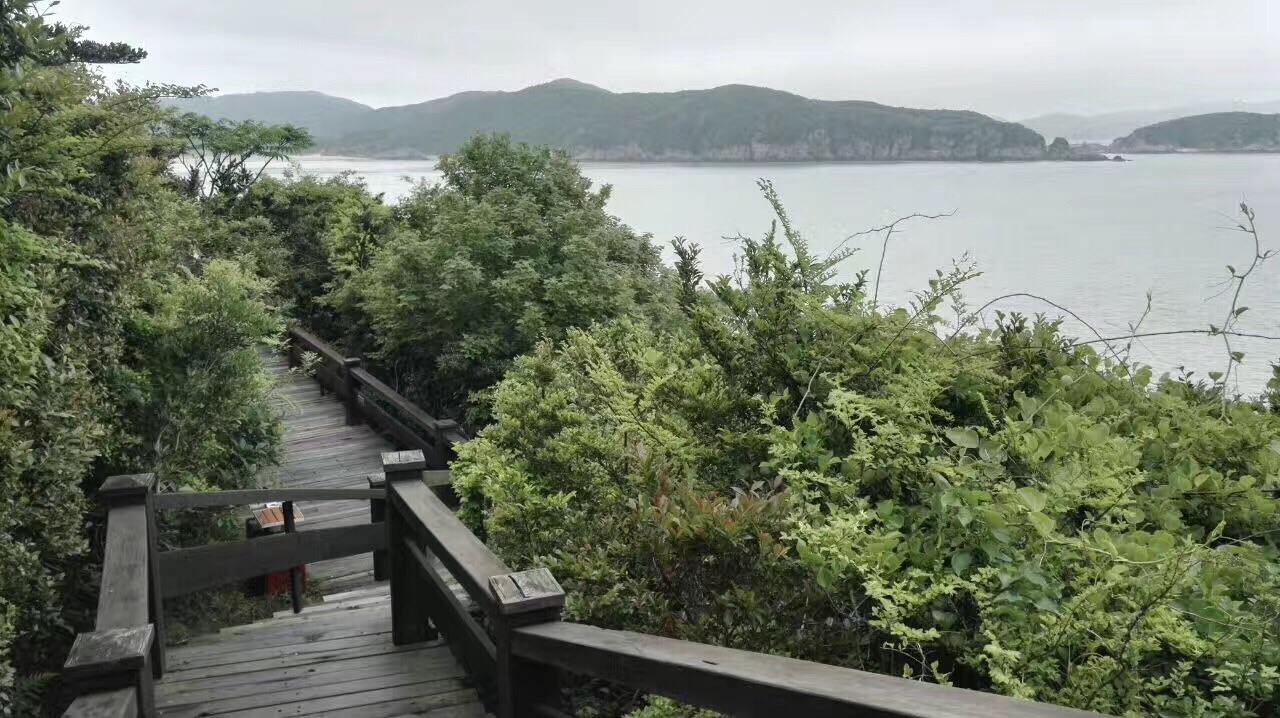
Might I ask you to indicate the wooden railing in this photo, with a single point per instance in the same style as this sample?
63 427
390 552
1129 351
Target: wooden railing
517 646
369 399
111 668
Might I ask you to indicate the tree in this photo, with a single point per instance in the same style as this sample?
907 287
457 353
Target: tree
223 157
513 246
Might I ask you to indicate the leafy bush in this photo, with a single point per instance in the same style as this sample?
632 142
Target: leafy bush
316 238
514 245
804 473
116 333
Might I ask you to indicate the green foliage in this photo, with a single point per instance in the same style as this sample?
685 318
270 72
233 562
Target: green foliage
197 392
514 245
116 331
803 473
316 239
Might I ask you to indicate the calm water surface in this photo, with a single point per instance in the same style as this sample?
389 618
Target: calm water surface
1094 237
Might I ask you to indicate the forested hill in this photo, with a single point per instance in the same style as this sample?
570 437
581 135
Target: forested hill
734 122
324 115
1221 131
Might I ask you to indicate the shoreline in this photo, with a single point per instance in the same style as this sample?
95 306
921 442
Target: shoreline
672 161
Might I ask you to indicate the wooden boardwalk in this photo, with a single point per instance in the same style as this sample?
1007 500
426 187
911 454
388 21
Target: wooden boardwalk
320 451
335 658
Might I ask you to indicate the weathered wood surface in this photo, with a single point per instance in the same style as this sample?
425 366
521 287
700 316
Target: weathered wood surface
469 561
320 451
119 703
206 499
192 569
742 683
123 600
333 659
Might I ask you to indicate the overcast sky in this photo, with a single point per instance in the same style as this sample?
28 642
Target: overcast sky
1009 58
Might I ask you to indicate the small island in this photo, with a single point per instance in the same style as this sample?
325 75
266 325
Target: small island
1215 132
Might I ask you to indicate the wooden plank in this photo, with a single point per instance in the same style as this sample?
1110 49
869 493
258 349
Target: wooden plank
464 555
425 661
309 660
234 700
268 635
186 662
435 478
120 703
373 704
123 600
467 710
743 683
208 499
192 569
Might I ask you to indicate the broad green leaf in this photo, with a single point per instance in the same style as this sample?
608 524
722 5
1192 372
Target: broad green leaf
966 438
1031 498
960 561
1043 524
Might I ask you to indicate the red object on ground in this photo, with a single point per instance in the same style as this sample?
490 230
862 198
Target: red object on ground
267 521
279 582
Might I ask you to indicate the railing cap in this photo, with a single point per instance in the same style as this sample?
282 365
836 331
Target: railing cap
526 592
127 485
403 461
109 651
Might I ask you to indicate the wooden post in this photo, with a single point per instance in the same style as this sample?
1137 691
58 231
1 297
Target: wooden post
352 386
522 599
291 353
130 489
410 622
112 659
378 513
295 576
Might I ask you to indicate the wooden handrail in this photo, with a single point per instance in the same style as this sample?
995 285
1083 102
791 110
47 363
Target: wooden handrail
316 345
433 426
365 395
188 570
744 683
448 539
208 499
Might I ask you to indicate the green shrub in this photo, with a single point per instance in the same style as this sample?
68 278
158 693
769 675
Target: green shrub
803 473
116 337
513 246
323 235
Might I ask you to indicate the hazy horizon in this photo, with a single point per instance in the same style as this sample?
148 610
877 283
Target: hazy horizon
999 57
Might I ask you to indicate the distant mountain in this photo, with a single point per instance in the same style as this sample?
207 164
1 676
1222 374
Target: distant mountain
730 123
1106 127
326 116
1220 132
